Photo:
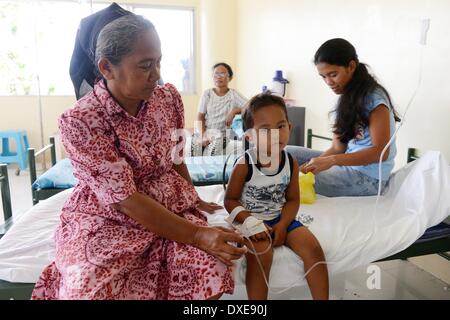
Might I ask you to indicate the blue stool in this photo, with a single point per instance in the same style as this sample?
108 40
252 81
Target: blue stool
20 156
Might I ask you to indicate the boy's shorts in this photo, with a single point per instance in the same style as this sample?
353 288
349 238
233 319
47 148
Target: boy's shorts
294 224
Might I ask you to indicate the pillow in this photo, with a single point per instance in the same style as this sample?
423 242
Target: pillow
60 176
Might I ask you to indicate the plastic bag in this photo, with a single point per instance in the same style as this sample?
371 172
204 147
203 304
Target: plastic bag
306 184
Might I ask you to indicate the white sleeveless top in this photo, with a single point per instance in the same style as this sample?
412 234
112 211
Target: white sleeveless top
264 193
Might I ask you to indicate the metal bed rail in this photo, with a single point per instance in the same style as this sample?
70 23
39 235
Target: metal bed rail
32 155
310 135
437 246
442 244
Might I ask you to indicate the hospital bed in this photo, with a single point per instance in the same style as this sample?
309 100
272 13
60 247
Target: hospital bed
435 240
341 225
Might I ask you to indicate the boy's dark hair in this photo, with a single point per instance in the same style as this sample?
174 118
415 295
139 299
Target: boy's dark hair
260 101
226 66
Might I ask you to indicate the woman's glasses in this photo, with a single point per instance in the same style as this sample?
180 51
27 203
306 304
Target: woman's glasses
220 75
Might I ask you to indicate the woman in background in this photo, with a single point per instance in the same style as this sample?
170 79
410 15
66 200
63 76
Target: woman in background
217 109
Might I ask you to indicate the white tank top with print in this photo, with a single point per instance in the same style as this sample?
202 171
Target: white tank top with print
264 193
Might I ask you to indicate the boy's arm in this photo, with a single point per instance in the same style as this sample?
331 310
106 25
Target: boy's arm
290 209
234 190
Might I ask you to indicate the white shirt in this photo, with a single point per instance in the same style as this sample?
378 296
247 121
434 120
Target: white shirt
217 108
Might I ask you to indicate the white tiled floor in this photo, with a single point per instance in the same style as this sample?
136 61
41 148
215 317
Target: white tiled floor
399 279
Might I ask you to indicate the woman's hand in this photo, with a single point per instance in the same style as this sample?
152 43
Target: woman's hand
229 118
209 207
205 141
279 231
316 165
215 241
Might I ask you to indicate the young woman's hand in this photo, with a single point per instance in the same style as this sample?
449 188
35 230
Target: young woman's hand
229 118
215 241
302 168
209 207
279 232
316 165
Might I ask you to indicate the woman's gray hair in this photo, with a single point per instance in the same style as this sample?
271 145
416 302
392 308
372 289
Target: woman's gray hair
118 38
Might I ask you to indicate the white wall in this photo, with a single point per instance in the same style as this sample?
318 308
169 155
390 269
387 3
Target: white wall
218 36
285 34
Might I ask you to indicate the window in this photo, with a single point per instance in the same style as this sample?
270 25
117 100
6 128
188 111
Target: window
38 39
175 28
17 61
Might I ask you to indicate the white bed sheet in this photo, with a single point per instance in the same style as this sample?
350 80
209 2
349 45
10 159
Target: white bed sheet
351 233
